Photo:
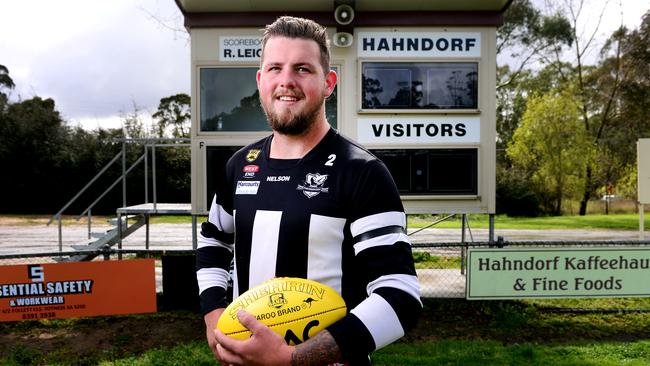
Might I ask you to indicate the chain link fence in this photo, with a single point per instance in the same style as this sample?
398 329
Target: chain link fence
441 267
442 270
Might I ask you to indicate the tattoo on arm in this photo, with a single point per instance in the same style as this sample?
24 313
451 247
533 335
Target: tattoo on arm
320 350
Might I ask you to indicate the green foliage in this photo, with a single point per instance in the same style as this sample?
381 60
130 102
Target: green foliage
46 161
5 80
627 184
553 146
526 29
426 260
613 95
173 111
132 124
514 194
22 355
5 83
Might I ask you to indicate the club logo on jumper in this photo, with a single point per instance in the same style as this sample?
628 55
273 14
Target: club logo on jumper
247 187
250 170
277 300
252 155
313 185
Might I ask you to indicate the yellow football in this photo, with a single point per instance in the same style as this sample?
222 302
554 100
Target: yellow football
294 308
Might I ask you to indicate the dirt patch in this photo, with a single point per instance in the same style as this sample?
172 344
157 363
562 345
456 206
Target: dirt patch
95 338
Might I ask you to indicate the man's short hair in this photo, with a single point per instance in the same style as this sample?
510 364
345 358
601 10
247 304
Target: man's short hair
293 27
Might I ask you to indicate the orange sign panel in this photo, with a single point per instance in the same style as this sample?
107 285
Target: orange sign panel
68 290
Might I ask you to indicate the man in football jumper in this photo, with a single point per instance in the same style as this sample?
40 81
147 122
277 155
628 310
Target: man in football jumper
306 202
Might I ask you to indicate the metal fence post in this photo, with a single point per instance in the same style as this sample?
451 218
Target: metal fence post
60 234
153 175
123 174
463 248
491 229
146 175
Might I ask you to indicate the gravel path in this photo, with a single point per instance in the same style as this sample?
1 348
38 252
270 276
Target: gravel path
40 238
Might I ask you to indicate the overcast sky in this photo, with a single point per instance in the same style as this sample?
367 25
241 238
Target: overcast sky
96 58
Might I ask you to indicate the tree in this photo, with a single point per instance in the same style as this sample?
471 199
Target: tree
595 103
31 144
526 38
551 143
529 36
5 83
630 117
132 126
174 112
626 56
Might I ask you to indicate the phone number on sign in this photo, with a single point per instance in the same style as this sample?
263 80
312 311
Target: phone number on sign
32 316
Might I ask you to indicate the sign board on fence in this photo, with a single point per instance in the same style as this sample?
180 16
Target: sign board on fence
558 273
643 186
76 289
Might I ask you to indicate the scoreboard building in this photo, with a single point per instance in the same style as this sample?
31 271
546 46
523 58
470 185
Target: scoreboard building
416 86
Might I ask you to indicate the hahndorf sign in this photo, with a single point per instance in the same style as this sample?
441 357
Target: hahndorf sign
558 273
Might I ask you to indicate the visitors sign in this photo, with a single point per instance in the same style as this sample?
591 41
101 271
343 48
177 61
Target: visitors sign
498 273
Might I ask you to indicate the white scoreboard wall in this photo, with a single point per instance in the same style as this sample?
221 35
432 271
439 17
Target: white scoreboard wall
422 98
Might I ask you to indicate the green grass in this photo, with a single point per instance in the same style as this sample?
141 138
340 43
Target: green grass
450 332
481 221
426 260
487 352
193 353
627 221
446 352
628 303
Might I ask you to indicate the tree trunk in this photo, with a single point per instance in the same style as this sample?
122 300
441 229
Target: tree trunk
587 193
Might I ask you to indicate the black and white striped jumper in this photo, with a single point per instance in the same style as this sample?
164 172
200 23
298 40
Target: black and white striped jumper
335 217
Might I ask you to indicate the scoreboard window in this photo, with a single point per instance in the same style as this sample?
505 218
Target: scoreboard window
436 172
229 101
419 85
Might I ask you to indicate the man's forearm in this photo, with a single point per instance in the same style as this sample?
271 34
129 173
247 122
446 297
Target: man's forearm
319 350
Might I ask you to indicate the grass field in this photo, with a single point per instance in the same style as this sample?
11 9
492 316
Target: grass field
611 222
625 221
450 332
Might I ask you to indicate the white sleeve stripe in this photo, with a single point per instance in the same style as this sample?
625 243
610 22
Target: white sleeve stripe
376 221
388 239
404 282
211 242
380 320
220 218
211 277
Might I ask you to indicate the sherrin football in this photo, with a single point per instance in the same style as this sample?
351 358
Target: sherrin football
294 308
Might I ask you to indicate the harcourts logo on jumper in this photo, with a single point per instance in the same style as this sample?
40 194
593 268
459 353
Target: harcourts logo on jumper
245 187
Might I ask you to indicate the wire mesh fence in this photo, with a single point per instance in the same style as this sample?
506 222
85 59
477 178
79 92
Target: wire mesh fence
441 267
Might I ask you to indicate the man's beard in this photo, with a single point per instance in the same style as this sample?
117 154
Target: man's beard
292 124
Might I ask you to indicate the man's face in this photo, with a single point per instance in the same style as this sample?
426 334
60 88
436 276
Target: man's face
292 84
